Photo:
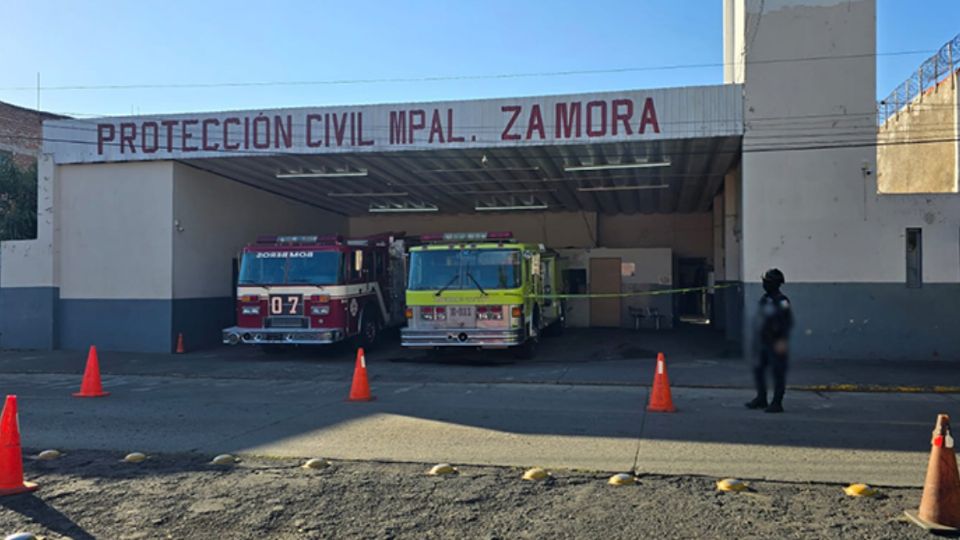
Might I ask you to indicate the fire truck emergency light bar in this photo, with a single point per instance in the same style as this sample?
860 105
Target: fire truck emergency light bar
466 236
611 166
301 239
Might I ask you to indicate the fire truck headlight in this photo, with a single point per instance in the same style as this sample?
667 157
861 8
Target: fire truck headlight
320 310
251 310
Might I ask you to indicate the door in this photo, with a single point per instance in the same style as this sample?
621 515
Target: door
605 279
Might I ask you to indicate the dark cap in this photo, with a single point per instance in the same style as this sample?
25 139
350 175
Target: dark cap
774 275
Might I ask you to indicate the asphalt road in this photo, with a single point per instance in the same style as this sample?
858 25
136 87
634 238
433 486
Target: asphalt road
832 437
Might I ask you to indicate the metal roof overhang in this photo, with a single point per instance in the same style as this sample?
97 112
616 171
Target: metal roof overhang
632 151
677 175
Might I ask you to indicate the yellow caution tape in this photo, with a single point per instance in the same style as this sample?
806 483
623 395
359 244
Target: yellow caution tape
631 294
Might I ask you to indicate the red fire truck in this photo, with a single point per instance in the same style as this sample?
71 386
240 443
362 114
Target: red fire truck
313 290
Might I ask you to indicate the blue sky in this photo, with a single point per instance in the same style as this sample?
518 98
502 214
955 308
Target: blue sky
181 41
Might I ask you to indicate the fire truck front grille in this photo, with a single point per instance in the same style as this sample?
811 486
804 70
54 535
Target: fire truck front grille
287 322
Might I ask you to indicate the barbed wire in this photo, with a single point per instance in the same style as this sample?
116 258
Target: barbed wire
931 72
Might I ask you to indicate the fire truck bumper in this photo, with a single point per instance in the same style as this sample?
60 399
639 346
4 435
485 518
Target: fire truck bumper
457 337
281 336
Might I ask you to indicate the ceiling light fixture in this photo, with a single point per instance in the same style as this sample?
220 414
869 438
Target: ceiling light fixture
483 169
381 194
613 166
402 208
322 174
510 208
507 191
622 188
510 204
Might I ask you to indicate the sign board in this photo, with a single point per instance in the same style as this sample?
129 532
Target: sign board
636 115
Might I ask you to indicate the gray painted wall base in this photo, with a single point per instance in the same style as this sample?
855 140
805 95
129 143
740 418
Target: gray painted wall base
201 320
869 320
116 325
29 317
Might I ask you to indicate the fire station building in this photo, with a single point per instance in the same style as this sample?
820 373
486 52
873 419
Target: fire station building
141 218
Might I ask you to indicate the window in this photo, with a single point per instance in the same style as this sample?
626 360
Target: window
914 258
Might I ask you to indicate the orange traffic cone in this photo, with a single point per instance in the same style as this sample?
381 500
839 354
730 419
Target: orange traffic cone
91 386
660 399
11 455
360 389
940 504
180 349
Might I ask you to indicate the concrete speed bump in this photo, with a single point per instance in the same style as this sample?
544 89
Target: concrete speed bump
731 484
225 459
441 469
316 464
622 479
861 490
21 536
49 455
135 457
535 474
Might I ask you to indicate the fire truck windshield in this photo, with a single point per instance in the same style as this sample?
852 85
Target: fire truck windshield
448 269
290 267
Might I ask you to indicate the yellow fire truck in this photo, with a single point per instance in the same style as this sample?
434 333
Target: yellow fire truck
482 290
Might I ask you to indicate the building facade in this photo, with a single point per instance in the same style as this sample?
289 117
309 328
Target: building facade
776 167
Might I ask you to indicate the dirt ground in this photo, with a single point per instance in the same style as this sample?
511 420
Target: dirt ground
95 495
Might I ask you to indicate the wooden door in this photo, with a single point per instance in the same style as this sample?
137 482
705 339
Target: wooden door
605 279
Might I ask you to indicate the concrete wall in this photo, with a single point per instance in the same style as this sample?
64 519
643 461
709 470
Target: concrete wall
213 218
554 229
814 213
688 235
929 167
115 243
130 254
653 271
29 277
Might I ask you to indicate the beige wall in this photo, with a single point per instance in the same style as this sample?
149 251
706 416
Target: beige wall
653 270
115 230
215 217
688 235
921 168
554 229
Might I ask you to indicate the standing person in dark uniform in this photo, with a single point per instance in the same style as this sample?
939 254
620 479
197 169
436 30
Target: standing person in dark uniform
772 330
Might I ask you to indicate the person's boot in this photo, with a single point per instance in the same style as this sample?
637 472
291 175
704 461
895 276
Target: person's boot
757 403
775 407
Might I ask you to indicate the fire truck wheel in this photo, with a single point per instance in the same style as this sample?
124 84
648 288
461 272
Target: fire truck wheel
369 331
529 348
558 326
